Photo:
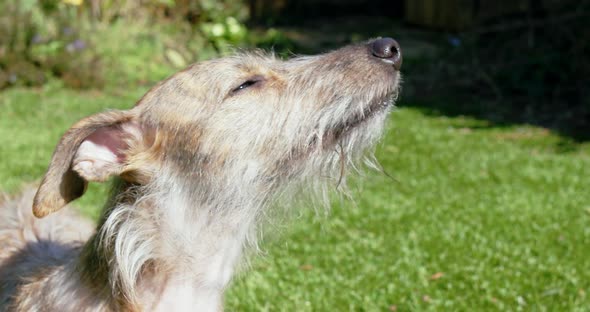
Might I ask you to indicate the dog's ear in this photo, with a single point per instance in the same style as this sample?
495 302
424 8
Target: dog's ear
91 150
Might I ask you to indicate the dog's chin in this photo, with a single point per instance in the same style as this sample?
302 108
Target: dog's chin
357 125
357 121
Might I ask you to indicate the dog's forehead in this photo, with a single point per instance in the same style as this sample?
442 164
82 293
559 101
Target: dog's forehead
203 87
238 65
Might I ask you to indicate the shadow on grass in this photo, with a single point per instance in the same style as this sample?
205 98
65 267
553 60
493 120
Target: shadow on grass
507 116
459 91
564 143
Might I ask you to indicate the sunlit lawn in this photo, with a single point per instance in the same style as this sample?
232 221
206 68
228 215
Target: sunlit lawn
478 217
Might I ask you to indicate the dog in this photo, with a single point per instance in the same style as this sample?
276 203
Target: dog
195 164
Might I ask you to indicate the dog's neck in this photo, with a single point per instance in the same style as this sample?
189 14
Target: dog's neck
168 246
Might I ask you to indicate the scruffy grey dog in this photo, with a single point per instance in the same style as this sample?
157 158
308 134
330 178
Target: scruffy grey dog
197 160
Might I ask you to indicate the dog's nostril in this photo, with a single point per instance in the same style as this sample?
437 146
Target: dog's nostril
387 49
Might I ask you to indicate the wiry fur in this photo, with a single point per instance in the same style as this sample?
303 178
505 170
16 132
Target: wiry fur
196 167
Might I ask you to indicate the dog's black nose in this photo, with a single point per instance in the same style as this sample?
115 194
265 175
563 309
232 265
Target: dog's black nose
388 50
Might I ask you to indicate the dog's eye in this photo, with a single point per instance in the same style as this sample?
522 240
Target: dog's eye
246 84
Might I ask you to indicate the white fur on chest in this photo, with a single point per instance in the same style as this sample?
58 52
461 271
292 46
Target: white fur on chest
182 295
199 249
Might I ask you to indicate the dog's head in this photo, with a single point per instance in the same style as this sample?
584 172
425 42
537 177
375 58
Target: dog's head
249 117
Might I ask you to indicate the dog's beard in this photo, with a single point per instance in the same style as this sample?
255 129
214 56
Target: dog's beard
345 147
356 122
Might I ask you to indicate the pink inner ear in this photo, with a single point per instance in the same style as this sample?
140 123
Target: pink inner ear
111 138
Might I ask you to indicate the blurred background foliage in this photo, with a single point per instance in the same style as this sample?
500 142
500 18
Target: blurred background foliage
62 38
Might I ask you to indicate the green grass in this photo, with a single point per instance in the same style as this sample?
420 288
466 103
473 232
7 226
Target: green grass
479 217
502 215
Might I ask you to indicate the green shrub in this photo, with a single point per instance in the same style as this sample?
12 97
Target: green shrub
40 39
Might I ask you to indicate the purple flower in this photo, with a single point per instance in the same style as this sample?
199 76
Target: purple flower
76 45
37 39
67 31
